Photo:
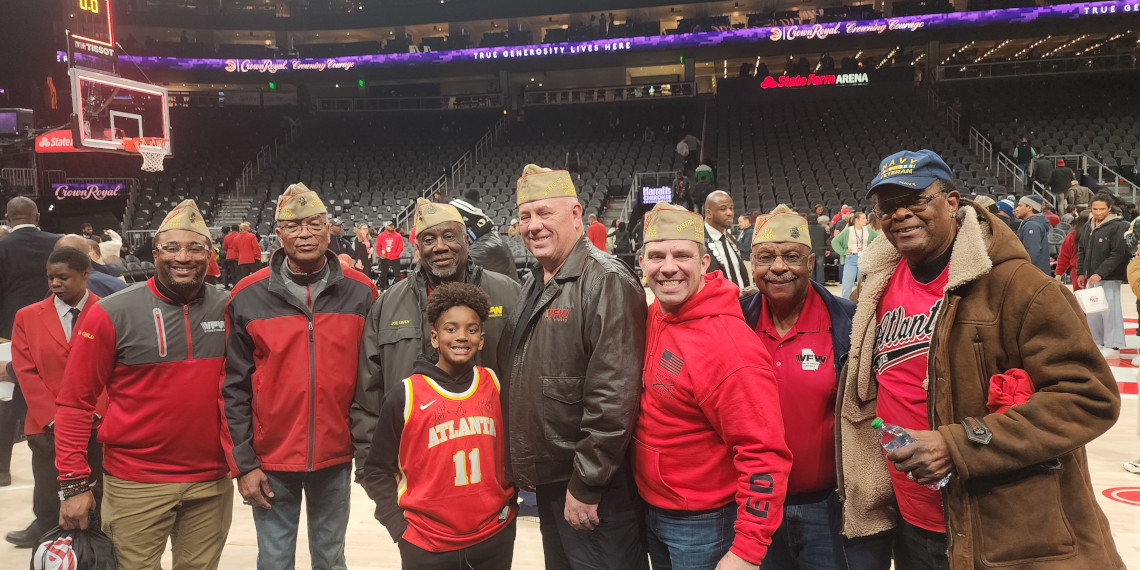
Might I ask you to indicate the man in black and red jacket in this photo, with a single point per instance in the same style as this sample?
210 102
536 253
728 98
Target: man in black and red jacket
294 335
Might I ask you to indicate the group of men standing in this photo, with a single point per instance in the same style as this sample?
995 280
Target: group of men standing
703 431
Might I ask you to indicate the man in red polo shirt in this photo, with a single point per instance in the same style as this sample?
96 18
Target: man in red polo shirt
807 330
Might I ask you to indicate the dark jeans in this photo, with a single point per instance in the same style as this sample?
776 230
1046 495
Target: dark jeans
245 269
495 553
326 508
11 414
388 267
617 543
808 539
817 274
230 273
694 540
919 549
45 494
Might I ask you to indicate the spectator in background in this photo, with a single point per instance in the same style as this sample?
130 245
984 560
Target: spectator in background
389 247
848 245
23 256
1034 231
1102 260
1023 155
623 244
95 254
1061 179
248 250
1078 196
86 230
338 244
744 242
514 239
362 249
701 191
1047 211
1067 257
596 232
573 162
109 246
726 258
101 284
486 246
682 190
819 247
230 264
1005 213
690 149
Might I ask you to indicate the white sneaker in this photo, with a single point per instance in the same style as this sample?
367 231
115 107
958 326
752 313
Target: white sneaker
1132 466
1109 352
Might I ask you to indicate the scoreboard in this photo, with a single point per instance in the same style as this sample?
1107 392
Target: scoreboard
90 21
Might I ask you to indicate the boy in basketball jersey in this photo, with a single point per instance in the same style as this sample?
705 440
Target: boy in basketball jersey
436 467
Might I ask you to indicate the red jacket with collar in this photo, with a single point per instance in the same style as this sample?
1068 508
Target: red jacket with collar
159 362
39 354
291 369
248 249
229 246
710 430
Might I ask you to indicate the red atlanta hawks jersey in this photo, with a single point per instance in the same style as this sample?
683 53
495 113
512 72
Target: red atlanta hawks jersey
452 484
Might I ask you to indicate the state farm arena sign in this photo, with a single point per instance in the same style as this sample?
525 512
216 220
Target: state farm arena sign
813 80
56 141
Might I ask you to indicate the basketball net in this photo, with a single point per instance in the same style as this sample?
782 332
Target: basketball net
152 150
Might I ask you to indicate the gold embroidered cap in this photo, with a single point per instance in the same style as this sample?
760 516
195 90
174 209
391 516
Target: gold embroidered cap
538 183
781 225
185 216
430 214
298 203
667 221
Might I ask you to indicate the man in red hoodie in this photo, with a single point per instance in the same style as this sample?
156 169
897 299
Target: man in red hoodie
389 247
709 454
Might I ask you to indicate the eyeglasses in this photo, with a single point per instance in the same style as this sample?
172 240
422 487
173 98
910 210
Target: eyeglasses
193 249
293 228
791 259
887 208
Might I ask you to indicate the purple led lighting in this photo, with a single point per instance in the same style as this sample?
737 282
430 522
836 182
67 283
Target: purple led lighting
746 36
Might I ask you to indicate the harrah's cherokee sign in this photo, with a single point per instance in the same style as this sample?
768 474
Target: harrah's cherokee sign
86 191
747 36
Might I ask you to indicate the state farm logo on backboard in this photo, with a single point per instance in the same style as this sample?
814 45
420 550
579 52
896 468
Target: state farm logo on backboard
56 141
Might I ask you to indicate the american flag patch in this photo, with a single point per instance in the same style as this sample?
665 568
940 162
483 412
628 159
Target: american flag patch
671 363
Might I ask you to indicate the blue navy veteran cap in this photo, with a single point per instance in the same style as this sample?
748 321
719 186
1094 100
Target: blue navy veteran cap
911 169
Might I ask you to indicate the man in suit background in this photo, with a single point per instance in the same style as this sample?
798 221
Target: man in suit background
41 341
23 254
725 256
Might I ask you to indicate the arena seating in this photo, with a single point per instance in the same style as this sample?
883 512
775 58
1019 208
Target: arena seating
804 152
1096 116
368 168
610 141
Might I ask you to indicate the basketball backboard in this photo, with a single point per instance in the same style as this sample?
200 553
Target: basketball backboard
106 109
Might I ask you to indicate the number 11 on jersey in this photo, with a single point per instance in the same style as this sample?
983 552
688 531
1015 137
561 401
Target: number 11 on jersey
461 472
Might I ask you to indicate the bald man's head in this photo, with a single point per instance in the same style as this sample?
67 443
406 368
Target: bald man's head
22 210
718 210
78 242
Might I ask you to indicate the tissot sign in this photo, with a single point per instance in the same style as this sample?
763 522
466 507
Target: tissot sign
87 192
742 37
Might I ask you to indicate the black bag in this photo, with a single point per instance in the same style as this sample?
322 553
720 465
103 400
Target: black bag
60 549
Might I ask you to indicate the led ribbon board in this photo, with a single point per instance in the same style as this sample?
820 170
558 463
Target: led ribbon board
747 36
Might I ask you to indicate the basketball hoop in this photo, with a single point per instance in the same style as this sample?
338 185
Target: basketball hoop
152 149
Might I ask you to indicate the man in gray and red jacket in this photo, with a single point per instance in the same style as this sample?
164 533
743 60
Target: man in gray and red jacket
157 349
295 330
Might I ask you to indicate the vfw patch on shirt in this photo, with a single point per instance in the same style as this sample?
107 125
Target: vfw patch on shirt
213 326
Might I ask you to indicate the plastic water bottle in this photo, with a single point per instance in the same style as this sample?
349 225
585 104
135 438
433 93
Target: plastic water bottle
893 437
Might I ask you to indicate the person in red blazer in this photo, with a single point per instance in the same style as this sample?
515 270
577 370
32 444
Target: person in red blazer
249 252
40 346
